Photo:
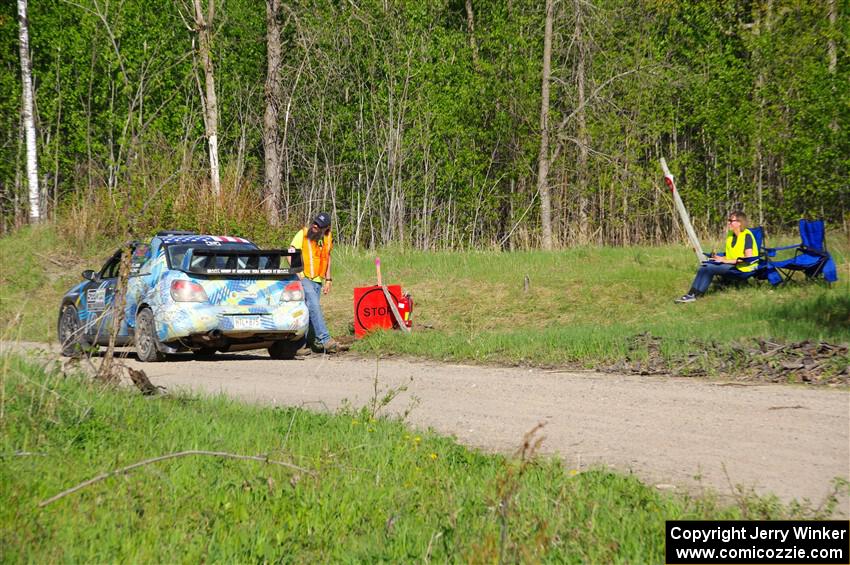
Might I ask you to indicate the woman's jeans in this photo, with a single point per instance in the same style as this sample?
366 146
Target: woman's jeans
312 294
704 276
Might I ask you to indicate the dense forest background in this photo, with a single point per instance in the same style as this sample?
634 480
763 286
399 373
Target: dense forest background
419 123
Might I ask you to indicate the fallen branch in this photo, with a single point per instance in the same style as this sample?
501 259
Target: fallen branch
52 260
108 474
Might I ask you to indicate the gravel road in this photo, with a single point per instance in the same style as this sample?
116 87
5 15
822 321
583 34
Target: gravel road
674 433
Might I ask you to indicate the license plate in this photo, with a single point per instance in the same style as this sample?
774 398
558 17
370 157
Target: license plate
246 322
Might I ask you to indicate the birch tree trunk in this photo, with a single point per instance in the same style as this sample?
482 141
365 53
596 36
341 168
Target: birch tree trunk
831 46
28 119
761 25
271 128
204 29
832 51
470 28
581 122
543 159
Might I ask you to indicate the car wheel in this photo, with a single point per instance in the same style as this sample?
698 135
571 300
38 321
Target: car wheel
204 353
70 332
283 349
146 340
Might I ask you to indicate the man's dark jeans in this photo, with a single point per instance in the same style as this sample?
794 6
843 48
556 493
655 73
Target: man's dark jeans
706 273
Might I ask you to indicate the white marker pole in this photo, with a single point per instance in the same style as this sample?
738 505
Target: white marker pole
683 213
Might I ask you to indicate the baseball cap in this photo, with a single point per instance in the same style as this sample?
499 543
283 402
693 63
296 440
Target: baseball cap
323 220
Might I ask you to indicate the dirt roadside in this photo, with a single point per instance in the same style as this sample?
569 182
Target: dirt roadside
674 433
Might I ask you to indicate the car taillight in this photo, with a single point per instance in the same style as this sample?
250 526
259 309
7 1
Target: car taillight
187 291
292 293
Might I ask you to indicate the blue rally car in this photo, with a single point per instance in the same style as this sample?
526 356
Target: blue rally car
190 292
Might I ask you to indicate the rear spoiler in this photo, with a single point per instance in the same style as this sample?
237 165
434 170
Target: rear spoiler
242 262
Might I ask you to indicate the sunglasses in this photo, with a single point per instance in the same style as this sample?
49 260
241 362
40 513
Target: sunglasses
730 220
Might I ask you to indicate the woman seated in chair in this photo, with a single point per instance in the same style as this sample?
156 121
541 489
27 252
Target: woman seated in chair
740 244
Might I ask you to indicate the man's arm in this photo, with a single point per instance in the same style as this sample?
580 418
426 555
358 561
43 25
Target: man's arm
326 288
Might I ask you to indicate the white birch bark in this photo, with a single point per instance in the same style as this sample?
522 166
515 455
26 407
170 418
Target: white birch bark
543 158
28 118
470 28
582 128
832 50
204 28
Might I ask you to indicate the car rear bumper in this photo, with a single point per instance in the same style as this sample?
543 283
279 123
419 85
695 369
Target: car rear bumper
202 322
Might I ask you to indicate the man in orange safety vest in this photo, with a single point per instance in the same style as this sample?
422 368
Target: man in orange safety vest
315 242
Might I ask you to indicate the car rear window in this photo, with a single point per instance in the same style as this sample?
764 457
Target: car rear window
176 253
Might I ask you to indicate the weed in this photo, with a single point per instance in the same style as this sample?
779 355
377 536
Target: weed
382 492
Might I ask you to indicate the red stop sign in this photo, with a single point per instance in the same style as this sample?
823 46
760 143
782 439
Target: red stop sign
371 309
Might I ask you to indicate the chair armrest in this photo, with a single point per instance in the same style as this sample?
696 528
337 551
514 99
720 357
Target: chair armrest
775 249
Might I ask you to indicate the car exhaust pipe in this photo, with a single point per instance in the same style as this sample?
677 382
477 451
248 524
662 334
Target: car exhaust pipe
212 335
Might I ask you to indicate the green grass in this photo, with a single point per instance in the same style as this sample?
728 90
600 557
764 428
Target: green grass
583 306
381 492
37 266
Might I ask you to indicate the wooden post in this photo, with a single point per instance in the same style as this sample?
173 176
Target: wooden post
394 310
390 301
683 213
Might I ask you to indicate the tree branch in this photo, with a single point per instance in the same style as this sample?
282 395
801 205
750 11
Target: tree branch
108 474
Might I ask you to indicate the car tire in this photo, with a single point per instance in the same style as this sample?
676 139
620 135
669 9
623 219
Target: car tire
204 353
70 333
284 349
146 340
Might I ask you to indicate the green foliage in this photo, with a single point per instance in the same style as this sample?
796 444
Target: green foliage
380 493
392 122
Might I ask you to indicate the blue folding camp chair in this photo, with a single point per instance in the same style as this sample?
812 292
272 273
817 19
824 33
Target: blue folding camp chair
810 256
762 268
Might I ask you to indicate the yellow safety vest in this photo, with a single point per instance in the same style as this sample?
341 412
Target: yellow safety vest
737 251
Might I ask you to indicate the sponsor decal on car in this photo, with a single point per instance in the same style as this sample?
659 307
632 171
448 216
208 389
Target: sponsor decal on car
96 298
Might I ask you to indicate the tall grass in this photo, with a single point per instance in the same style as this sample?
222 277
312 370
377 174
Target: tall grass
167 202
581 306
381 491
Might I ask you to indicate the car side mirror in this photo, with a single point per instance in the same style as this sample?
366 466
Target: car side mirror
90 275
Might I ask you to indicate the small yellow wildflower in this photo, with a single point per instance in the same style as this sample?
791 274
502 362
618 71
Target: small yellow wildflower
433 456
573 472
417 439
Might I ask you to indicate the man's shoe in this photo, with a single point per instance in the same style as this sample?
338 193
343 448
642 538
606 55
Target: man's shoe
303 352
331 346
686 298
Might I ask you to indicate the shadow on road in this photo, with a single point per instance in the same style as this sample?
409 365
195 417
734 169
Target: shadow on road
188 356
